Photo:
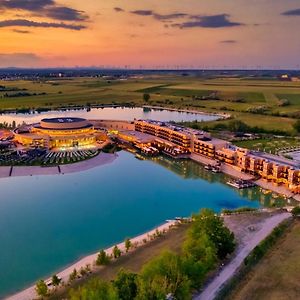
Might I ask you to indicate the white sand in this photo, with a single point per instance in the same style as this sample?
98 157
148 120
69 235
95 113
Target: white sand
4 172
30 293
99 160
33 170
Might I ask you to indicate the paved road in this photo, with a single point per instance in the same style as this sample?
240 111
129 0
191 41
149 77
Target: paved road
211 291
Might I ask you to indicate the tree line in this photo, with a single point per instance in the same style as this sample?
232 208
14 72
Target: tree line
169 275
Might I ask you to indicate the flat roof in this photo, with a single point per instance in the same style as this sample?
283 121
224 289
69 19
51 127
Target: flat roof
213 141
276 159
140 136
174 127
62 129
63 120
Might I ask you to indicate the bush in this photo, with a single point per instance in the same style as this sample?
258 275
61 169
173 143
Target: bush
238 210
41 288
162 276
283 102
126 285
296 211
95 290
102 258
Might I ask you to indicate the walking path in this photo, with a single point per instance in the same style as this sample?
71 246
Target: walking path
282 190
30 293
226 169
231 171
214 287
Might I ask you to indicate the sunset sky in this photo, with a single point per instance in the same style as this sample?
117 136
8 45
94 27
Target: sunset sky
150 33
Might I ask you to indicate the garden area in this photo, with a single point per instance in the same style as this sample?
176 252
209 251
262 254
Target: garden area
42 157
270 145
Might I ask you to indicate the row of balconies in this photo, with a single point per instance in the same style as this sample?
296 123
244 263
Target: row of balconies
204 145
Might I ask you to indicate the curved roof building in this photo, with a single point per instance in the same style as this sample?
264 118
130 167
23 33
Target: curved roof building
62 132
64 123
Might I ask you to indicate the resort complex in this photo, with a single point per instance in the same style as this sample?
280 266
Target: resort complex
68 134
179 141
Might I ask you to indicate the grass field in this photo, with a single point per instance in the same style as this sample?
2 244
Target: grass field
135 260
276 277
237 96
269 145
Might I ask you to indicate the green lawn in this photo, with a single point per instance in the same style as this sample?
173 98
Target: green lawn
269 145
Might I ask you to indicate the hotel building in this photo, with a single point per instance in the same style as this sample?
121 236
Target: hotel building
271 168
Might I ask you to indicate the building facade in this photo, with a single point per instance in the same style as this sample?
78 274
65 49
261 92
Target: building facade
278 170
59 133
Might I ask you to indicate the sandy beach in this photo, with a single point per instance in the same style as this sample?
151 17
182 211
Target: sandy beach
99 160
4 172
29 293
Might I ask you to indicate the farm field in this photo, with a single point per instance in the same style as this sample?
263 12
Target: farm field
270 104
276 276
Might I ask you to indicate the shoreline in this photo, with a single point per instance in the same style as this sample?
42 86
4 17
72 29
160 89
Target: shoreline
232 172
17 171
192 111
29 293
101 106
106 158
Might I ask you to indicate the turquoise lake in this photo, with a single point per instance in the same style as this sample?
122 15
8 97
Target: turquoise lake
48 222
108 113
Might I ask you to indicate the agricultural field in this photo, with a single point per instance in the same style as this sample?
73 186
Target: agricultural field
270 104
276 276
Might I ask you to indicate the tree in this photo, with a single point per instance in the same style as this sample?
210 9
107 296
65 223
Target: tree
88 268
73 275
103 258
116 252
41 288
212 225
126 285
162 276
82 271
128 244
146 97
199 255
296 211
237 126
296 125
56 280
95 289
